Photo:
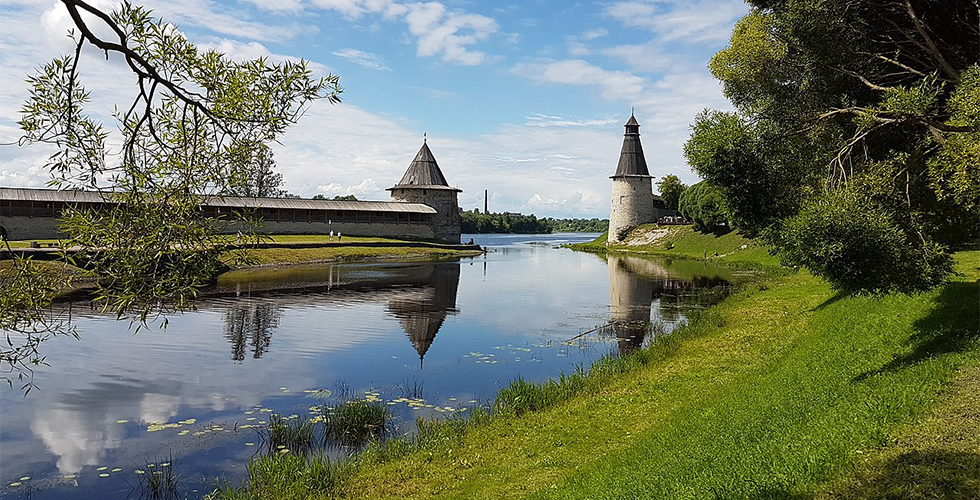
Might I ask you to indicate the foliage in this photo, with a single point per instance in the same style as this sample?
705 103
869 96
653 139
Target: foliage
593 225
859 247
471 222
703 203
197 127
476 222
27 317
348 197
671 187
875 99
758 174
256 177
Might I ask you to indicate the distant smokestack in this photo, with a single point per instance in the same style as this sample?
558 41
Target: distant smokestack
486 198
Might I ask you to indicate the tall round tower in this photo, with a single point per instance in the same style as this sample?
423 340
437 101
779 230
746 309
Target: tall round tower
632 192
424 183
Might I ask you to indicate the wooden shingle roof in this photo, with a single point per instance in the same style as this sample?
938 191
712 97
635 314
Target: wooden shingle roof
52 195
423 173
632 163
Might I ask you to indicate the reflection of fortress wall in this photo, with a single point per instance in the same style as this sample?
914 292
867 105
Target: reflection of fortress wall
420 296
423 316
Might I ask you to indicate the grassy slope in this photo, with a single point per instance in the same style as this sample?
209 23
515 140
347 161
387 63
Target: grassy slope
267 256
684 242
795 386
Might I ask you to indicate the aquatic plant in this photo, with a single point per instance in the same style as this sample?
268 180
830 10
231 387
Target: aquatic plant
296 435
356 421
159 481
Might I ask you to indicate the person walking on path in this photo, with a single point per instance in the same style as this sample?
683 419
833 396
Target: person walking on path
331 235
338 235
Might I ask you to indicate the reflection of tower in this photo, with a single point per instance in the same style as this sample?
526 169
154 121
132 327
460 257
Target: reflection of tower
630 298
254 327
632 194
423 313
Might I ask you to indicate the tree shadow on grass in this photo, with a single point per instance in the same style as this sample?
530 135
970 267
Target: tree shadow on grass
827 303
919 474
952 326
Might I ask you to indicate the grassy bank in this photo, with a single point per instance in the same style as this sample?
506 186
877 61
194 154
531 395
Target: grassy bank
286 256
685 242
783 390
333 251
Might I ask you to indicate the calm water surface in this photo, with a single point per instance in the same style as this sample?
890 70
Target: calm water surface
278 341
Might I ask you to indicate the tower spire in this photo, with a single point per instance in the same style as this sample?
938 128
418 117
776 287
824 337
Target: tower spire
631 159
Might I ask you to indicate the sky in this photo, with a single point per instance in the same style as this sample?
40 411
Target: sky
526 100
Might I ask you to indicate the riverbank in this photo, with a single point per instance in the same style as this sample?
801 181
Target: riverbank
287 250
785 389
685 242
282 250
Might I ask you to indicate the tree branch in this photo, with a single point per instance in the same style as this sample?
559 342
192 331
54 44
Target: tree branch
933 50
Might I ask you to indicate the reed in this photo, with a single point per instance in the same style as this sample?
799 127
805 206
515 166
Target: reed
356 421
296 435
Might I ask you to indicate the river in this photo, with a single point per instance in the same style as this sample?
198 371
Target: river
277 341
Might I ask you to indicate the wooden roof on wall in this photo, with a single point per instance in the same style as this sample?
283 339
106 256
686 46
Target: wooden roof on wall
56 196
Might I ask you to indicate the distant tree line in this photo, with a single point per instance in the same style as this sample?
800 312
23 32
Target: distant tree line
577 225
476 222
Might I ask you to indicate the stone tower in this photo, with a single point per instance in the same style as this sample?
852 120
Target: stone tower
423 182
632 193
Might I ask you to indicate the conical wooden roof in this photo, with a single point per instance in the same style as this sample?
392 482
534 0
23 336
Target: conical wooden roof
631 159
423 173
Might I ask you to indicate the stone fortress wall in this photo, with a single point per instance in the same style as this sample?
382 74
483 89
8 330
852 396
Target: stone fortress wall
415 212
445 223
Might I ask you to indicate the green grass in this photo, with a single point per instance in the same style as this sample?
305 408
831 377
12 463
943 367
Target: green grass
356 421
781 391
324 238
27 243
282 256
286 476
685 242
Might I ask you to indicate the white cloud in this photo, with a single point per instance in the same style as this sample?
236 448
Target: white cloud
207 14
613 85
278 6
575 202
368 189
690 21
593 34
438 30
643 57
540 120
361 58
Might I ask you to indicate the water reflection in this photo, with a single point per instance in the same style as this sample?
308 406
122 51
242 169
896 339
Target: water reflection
419 295
251 326
638 286
422 314
308 328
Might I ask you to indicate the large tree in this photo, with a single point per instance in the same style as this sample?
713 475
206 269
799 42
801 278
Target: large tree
670 187
857 128
257 178
195 122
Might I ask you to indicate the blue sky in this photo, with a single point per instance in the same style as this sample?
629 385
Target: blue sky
524 99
